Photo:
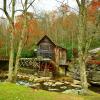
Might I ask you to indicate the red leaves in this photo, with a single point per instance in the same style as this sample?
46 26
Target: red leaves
94 62
96 3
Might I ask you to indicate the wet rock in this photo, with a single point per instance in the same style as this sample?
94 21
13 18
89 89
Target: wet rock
53 89
21 82
63 87
73 91
28 84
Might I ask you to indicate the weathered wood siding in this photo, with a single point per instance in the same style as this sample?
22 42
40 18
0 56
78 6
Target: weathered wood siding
60 56
46 49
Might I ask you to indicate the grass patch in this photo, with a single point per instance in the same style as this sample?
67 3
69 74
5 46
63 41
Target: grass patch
10 91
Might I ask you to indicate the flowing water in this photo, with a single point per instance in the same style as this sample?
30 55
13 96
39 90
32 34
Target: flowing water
95 88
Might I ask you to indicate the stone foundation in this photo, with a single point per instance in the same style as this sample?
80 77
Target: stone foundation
93 73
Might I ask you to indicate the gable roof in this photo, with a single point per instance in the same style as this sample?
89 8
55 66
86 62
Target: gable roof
45 36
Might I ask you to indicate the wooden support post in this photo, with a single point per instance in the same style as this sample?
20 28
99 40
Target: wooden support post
45 68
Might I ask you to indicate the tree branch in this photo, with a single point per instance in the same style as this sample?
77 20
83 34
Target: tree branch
30 4
78 2
83 2
22 4
10 5
24 8
5 11
60 1
67 5
20 10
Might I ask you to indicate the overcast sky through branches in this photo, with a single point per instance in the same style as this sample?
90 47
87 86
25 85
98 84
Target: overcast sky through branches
40 5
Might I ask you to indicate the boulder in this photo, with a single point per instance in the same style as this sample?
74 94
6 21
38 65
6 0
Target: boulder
53 85
96 76
93 73
67 83
74 91
76 82
63 87
96 83
46 83
53 89
50 83
42 79
76 86
59 83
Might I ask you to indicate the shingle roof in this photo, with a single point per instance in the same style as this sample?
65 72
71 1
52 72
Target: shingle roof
54 43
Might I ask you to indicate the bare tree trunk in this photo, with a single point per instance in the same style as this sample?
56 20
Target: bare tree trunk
21 42
11 59
19 53
82 43
12 71
82 66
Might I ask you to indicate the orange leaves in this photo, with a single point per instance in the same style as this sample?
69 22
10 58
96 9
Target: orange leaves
18 26
96 3
33 27
67 22
92 9
1 43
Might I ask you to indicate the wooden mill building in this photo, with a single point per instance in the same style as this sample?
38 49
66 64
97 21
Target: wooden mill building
50 58
50 52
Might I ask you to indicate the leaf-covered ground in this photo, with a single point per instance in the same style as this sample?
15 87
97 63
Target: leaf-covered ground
10 91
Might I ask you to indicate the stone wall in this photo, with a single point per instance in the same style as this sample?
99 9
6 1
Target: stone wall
93 73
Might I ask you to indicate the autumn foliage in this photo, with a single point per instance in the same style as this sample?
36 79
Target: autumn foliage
94 62
92 10
33 30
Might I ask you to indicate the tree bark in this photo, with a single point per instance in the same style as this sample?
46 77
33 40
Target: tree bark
11 59
81 46
21 42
